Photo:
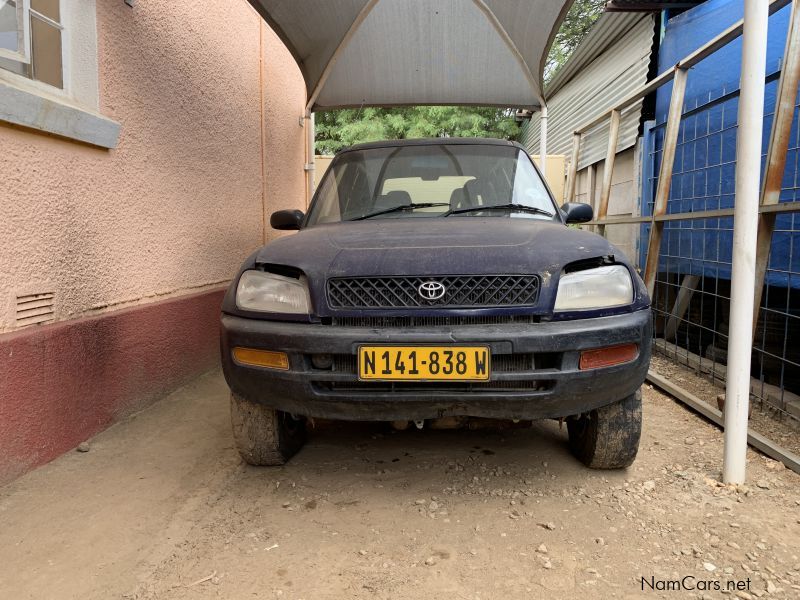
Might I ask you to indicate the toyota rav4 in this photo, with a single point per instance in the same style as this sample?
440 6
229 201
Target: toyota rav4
432 281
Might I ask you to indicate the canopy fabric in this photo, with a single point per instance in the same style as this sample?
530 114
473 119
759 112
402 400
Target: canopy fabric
413 52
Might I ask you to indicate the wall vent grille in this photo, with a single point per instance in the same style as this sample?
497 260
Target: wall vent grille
34 309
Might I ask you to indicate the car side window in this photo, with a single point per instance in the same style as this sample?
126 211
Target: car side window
354 190
528 187
330 212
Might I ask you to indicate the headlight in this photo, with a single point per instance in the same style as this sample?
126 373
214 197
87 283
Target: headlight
595 288
267 292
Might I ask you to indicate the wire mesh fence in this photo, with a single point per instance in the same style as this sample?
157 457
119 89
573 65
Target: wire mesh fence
691 298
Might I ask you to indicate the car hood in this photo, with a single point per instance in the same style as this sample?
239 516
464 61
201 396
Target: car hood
436 246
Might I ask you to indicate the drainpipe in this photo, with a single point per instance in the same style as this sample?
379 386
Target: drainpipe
310 160
745 234
543 140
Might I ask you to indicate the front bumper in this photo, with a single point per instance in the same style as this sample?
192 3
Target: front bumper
535 369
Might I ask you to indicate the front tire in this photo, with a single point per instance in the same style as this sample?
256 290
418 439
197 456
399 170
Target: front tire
265 436
608 437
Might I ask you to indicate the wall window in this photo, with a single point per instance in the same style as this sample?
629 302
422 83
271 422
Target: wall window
48 70
31 40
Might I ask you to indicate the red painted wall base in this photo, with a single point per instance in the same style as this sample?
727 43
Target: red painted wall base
62 383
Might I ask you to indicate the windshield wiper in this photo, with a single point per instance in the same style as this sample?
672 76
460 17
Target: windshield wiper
401 208
510 206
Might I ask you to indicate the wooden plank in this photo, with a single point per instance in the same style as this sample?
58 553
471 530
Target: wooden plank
779 208
572 174
783 207
622 221
665 177
705 214
755 439
685 293
779 140
608 169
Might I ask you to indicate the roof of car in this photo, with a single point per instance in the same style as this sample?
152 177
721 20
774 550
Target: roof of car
433 142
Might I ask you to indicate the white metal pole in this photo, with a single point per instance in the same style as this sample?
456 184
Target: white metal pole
543 140
310 157
312 139
745 234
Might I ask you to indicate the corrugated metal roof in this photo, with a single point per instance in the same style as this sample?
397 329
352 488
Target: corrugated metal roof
398 52
649 5
600 75
606 31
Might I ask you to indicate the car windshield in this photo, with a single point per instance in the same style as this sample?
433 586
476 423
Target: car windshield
439 180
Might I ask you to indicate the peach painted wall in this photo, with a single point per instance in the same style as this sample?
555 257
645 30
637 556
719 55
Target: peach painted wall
180 202
285 99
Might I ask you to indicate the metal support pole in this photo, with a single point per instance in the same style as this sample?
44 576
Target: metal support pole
572 175
745 231
543 141
591 176
310 158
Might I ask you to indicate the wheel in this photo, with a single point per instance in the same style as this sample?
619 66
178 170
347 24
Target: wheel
265 436
608 437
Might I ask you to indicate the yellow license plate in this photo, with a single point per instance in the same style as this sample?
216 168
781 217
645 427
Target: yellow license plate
424 363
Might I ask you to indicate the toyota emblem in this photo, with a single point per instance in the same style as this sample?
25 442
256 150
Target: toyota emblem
431 290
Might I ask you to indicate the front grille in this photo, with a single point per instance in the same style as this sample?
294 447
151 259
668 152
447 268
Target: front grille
441 386
460 291
501 363
406 322
536 368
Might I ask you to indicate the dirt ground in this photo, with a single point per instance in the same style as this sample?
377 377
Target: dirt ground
162 507
784 432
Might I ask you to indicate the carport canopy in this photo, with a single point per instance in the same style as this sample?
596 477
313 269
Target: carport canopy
356 53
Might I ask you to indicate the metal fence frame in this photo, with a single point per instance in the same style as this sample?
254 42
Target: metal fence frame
769 205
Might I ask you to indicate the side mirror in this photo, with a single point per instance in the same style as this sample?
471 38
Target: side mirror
286 220
577 212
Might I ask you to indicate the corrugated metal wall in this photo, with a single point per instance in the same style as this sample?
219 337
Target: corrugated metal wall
586 91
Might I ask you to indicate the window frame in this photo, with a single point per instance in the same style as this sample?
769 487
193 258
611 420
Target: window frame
29 13
72 111
23 53
35 14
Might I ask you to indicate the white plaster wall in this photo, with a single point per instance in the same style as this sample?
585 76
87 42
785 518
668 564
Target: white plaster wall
180 202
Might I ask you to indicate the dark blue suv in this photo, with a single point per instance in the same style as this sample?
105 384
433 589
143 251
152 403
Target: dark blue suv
436 281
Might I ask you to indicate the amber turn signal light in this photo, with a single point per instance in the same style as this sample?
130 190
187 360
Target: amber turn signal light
607 357
261 358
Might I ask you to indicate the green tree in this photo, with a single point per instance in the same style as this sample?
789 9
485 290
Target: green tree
580 18
338 129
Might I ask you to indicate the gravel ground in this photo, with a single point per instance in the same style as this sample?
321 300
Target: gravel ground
785 432
160 506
